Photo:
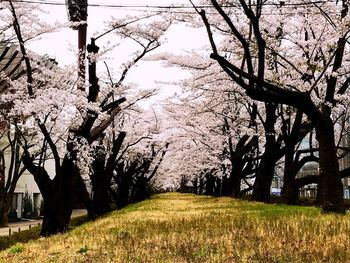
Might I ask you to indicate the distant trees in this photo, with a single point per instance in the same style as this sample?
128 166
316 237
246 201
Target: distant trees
215 144
11 169
292 82
300 64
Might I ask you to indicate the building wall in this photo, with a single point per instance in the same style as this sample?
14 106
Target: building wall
345 163
26 183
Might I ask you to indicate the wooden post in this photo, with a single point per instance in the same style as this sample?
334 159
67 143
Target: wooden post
93 80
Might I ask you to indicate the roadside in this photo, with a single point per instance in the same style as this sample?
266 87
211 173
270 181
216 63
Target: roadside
15 227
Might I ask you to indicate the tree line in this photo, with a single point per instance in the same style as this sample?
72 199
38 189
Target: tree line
274 82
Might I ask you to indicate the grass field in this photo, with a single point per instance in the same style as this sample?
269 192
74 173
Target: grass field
187 228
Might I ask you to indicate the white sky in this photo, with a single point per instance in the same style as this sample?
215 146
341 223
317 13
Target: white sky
62 45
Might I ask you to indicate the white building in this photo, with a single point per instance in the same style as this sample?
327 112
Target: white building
11 67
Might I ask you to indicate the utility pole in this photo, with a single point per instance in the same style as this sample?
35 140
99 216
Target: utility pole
77 12
93 80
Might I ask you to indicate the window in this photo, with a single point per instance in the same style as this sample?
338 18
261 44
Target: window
346 194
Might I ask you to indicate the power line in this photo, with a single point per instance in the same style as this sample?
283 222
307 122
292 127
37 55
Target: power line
187 9
281 4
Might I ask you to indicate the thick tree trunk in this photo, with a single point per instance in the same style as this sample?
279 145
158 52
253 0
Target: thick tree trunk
101 199
289 191
201 185
124 182
54 219
217 190
264 176
100 185
209 183
59 204
235 178
140 191
330 188
123 196
266 169
59 194
226 190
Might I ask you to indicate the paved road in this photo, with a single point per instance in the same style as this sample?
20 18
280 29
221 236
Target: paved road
26 224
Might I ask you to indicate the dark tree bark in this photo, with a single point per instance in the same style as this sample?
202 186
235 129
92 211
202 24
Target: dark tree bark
124 184
330 189
266 169
209 183
4 195
4 208
100 184
217 188
102 176
289 191
141 190
225 189
292 164
195 185
59 194
201 185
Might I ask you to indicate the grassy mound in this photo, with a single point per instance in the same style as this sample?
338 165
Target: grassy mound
187 228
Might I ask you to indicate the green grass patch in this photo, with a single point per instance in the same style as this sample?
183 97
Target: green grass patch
176 227
18 248
34 233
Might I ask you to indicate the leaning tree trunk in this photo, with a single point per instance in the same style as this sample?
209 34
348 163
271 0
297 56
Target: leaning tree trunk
330 188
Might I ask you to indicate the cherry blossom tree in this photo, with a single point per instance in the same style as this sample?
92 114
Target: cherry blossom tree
312 76
214 138
70 123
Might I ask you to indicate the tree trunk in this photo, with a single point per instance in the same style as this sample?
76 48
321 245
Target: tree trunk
59 204
330 188
140 191
264 176
201 185
209 183
4 209
100 185
289 191
217 190
226 189
235 178
59 194
266 169
195 185
124 182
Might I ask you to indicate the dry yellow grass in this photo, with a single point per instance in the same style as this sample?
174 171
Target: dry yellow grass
186 228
